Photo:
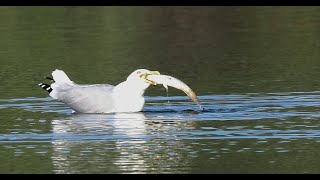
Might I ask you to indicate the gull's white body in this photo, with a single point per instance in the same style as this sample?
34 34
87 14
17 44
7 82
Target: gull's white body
100 98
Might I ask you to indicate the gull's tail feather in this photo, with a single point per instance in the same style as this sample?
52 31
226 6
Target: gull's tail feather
60 77
61 83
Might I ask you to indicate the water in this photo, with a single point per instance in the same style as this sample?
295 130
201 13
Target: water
254 70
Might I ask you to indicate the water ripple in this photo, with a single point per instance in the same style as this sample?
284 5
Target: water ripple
237 116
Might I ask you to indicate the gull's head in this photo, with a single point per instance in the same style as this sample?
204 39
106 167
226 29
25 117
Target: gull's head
139 77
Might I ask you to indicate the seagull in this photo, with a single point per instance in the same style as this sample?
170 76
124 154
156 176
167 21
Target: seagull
128 96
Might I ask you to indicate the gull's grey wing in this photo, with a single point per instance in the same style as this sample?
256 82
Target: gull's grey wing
88 98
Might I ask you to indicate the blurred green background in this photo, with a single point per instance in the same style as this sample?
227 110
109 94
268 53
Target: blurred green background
215 50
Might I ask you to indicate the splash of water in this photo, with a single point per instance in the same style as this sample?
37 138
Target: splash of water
201 108
167 90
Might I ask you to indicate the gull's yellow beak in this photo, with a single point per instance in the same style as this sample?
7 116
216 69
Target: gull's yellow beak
144 76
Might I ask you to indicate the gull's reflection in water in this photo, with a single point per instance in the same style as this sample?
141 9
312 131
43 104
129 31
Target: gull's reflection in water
116 143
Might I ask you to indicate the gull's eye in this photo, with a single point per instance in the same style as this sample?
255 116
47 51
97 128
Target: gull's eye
138 72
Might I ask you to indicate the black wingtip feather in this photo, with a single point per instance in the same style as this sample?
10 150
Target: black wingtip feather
50 78
46 87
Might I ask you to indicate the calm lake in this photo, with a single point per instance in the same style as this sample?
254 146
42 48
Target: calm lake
254 70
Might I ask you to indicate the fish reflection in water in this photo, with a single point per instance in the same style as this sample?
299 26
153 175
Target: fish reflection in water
126 142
